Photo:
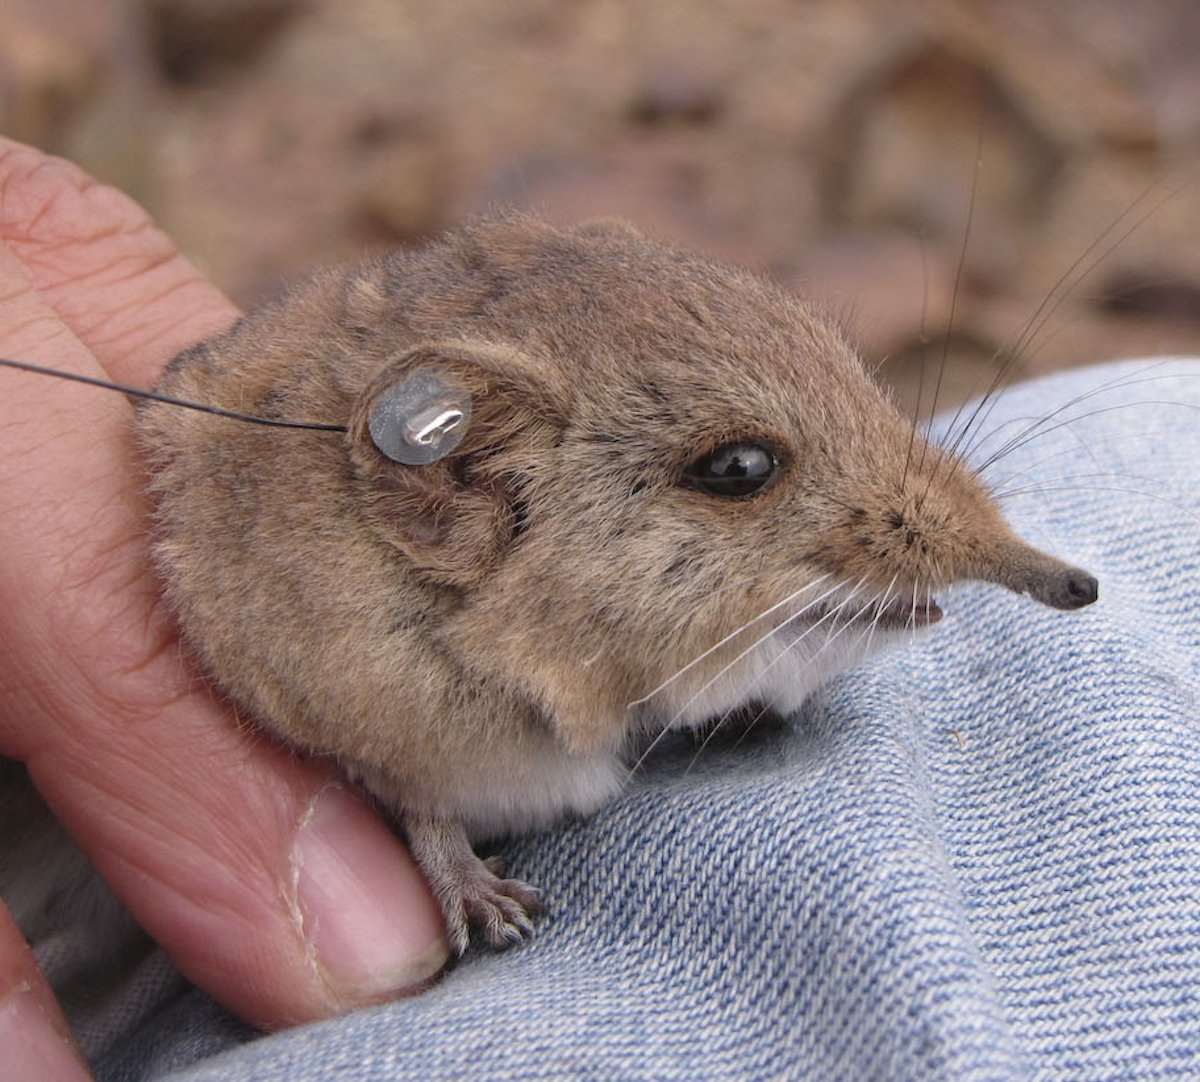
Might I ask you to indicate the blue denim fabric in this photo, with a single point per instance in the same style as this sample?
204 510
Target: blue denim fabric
976 857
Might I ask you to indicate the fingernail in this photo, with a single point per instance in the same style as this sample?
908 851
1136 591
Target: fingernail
363 905
30 1044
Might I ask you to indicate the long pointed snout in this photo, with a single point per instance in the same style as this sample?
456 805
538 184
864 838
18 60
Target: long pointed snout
1025 570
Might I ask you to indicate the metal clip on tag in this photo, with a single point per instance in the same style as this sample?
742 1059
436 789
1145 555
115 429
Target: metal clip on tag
420 419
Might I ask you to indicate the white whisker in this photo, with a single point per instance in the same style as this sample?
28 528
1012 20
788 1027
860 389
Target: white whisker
734 634
1040 490
884 600
830 614
879 604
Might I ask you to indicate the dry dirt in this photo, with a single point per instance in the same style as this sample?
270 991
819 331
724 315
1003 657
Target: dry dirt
843 146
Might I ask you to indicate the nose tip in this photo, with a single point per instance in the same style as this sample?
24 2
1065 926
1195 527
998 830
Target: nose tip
1079 589
1025 570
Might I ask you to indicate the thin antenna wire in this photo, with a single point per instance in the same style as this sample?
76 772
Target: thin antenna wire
141 392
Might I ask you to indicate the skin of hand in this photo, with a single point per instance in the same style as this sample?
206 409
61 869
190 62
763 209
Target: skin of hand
268 883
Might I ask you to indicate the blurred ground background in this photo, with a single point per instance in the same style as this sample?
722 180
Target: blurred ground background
831 143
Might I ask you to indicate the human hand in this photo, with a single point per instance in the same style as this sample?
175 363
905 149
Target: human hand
269 884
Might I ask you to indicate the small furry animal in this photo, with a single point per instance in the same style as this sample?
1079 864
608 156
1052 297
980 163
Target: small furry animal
589 488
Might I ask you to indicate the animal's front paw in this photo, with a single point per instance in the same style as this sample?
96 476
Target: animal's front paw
501 909
473 893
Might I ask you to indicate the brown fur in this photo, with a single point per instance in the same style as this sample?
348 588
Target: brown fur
466 636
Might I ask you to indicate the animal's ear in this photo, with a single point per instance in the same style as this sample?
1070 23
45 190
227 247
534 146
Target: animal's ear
442 443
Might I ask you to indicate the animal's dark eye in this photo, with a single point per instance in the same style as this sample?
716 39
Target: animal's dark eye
736 469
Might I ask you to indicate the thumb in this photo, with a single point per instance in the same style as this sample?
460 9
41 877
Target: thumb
34 1042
